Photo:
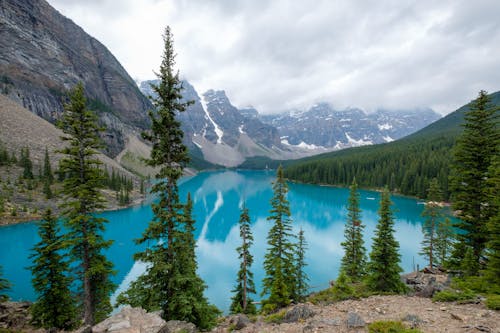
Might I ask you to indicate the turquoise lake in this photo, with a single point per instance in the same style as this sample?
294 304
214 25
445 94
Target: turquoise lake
218 196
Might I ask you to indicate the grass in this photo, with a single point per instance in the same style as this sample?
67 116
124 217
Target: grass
340 293
493 302
275 317
390 327
454 296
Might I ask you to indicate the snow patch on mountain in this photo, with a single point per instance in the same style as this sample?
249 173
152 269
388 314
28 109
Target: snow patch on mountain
218 131
360 142
385 126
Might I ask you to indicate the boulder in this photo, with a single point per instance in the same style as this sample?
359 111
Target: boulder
298 312
177 326
131 320
426 284
239 321
354 320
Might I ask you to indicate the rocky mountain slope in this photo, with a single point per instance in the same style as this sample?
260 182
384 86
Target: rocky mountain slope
19 128
43 54
322 126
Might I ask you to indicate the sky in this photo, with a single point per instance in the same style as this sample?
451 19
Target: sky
290 54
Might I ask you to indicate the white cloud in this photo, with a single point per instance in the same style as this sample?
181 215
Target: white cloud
285 54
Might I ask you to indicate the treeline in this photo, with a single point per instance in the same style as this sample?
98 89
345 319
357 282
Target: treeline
406 167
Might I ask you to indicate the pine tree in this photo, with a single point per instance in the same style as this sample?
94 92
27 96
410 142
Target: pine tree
4 286
46 189
354 260
26 164
54 307
280 279
433 217
82 198
241 301
383 268
492 273
444 242
189 303
47 169
157 288
472 157
300 264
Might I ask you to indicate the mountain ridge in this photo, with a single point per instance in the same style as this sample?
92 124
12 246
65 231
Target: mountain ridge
43 54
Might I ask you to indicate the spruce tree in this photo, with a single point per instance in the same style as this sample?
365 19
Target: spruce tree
492 273
444 242
383 268
157 288
433 217
47 169
54 307
82 198
472 158
354 261
241 301
280 279
300 264
26 164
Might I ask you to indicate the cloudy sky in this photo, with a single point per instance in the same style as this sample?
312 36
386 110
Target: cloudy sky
283 54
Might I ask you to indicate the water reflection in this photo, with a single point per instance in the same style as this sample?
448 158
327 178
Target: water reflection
217 198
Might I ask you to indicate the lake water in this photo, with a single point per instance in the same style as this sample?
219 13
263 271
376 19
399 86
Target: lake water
319 210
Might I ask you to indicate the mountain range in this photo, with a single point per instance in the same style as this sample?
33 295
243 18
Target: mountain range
226 135
44 54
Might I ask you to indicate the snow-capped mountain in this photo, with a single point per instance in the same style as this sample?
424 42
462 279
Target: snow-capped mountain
221 132
322 126
225 135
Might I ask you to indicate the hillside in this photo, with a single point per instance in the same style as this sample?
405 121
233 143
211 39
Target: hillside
44 54
19 128
406 165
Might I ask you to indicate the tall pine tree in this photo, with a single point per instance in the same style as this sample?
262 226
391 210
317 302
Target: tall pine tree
383 268
433 217
472 158
492 273
300 264
47 169
82 198
54 307
444 242
354 261
241 301
279 266
166 235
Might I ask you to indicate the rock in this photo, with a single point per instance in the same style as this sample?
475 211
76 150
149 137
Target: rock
321 324
239 321
455 316
14 315
414 320
426 284
483 328
177 326
298 312
131 320
354 320
84 329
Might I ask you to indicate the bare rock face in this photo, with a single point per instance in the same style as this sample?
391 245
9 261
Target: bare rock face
44 54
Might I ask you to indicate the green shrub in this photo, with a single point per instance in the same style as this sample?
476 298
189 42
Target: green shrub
339 292
275 317
493 302
390 327
453 296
